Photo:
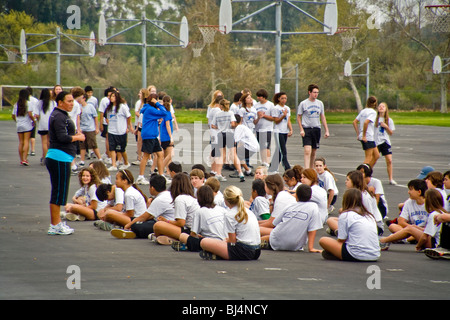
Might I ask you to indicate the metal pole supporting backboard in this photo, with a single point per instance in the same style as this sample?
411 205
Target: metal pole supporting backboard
329 24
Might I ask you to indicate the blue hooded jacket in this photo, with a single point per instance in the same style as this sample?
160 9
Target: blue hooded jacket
150 126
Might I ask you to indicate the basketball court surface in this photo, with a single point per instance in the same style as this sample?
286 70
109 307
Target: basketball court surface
34 265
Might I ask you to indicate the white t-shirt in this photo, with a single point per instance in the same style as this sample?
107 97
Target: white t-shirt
162 206
118 198
381 134
209 222
223 121
133 200
310 112
376 183
185 208
94 101
264 125
320 197
283 199
242 134
23 123
76 111
371 205
248 116
431 229
118 121
414 213
282 126
219 200
138 119
102 107
88 118
326 181
292 226
367 114
246 232
260 206
45 116
361 235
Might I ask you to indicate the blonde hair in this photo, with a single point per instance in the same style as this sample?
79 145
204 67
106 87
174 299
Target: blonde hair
225 104
233 196
214 96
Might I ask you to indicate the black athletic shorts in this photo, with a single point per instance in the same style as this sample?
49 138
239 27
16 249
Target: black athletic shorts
312 137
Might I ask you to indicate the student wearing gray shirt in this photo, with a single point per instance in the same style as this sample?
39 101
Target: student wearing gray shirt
310 114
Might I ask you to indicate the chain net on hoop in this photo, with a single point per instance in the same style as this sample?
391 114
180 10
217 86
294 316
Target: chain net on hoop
197 48
348 36
208 33
11 55
440 16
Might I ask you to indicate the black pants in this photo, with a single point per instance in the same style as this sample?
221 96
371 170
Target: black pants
59 179
280 154
143 229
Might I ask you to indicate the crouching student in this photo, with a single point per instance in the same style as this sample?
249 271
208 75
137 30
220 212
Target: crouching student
296 225
208 223
358 234
243 242
160 206
185 207
134 203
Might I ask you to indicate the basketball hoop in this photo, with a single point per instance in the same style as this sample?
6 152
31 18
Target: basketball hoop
208 32
104 57
197 48
87 44
348 36
11 55
440 16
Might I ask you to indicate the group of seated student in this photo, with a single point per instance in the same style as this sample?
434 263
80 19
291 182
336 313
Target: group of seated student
284 213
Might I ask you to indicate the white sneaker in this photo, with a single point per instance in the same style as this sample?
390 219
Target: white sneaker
142 180
75 217
108 161
221 178
60 229
112 168
393 182
124 166
149 162
136 163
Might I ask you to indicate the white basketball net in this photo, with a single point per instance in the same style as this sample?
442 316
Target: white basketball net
197 48
11 55
208 33
440 15
348 37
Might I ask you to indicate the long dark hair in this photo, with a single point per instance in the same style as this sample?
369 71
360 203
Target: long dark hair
119 100
352 201
22 108
181 184
126 174
45 99
275 183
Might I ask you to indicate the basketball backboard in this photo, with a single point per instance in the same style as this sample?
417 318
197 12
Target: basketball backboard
330 18
184 33
437 65
348 68
23 47
102 39
225 17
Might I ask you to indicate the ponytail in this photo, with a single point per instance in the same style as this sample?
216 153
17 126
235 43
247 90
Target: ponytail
233 195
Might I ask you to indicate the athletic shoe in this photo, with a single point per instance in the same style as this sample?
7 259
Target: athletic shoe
103 225
178 246
393 182
221 178
152 237
164 240
59 229
384 246
81 163
124 166
234 175
75 217
331 232
123 234
32 153
330 209
265 244
25 163
112 168
205 255
108 161
136 163
92 155
242 178
249 173
437 253
142 180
